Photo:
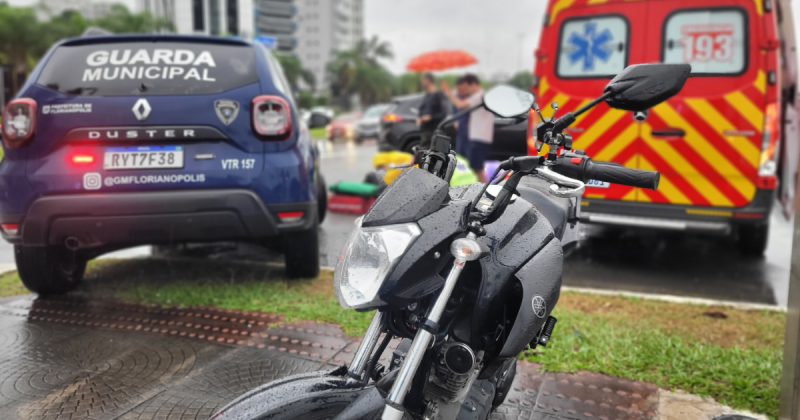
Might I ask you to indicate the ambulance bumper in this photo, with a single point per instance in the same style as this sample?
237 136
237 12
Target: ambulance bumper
718 220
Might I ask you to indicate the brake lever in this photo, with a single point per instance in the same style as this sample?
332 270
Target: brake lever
576 186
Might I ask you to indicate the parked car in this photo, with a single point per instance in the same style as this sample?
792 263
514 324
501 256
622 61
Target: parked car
399 130
117 141
343 127
327 111
720 144
369 125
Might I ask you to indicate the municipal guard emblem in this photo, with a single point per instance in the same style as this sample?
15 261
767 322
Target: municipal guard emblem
227 110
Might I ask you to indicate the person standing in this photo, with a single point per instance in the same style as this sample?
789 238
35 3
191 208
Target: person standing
462 124
481 123
432 111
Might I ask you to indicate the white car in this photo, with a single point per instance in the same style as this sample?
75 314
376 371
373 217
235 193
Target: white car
369 125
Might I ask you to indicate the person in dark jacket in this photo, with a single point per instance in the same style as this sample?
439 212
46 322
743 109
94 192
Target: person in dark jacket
432 111
462 124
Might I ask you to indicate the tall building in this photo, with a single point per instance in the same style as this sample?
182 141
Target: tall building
244 18
324 27
275 18
313 30
358 19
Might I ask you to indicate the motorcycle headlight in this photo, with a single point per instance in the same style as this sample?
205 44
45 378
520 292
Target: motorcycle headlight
368 257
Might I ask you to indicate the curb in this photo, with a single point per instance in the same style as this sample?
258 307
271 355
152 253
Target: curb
744 306
6 268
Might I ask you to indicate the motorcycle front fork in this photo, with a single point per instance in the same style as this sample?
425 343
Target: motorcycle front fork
465 249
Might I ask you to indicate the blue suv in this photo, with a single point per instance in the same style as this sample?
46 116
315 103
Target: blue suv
116 141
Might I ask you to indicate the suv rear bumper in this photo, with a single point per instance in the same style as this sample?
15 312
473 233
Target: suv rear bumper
718 220
99 220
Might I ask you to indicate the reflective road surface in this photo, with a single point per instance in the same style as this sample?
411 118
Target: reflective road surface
674 264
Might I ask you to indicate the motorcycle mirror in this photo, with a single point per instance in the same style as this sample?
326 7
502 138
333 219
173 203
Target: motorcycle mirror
644 86
507 101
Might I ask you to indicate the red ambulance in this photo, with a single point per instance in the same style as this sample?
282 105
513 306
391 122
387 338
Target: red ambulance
725 145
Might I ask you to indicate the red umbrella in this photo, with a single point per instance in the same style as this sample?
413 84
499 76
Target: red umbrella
441 60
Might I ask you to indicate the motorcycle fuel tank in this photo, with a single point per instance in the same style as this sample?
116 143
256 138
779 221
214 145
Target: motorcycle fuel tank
524 264
525 256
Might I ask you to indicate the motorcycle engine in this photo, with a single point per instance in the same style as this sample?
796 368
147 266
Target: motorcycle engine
455 369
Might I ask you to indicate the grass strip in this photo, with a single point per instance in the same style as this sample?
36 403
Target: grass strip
731 355
317 133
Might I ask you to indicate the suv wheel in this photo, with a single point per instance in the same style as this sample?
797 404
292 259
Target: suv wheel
48 270
753 239
322 198
409 146
301 252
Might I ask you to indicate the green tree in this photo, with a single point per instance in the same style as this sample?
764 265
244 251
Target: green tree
24 39
121 21
358 71
294 71
21 36
522 80
374 49
407 83
68 24
305 99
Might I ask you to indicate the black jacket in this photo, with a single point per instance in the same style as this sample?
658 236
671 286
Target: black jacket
437 106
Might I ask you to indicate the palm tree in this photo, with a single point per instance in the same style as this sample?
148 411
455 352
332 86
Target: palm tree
373 49
358 71
21 35
121 21
294 71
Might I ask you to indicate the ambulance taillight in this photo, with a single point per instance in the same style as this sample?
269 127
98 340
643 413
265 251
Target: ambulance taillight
767 164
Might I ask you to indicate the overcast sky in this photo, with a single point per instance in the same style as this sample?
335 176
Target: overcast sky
501 34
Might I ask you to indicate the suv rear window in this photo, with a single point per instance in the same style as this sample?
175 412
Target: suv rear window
149 68
408 106
713 41
593 47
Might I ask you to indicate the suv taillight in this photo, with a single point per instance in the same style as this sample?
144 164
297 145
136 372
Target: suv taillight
271 117
19 122
391 117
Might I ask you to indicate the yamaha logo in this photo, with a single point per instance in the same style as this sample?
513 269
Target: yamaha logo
141 109
539 306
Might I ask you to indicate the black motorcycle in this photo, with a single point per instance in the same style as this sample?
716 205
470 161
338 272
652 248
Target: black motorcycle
466 276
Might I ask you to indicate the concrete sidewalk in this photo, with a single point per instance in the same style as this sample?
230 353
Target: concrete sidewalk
71 358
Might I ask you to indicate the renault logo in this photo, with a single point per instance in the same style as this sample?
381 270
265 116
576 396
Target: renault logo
141 109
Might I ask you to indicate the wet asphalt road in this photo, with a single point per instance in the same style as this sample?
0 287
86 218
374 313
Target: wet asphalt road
672 264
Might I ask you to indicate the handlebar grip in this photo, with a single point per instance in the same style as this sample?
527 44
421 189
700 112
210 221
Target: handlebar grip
617 174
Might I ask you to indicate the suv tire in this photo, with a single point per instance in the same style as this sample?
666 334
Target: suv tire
322 198
48 270
409 146
301 252
753 239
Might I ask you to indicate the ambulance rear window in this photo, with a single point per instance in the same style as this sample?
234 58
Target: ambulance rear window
149 68
592 47
713 41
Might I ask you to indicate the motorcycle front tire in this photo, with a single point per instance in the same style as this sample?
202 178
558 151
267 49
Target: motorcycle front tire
320 395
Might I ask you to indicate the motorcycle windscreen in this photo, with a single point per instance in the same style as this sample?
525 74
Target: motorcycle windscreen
414 195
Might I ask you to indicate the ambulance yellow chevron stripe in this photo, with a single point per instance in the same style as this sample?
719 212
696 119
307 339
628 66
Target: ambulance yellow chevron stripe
713 164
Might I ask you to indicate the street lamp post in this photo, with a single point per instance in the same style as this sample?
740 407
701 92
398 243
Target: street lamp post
790 379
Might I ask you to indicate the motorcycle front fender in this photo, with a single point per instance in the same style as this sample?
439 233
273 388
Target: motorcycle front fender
297 395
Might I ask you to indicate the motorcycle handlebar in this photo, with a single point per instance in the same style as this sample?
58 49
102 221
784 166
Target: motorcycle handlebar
584 169
617 174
